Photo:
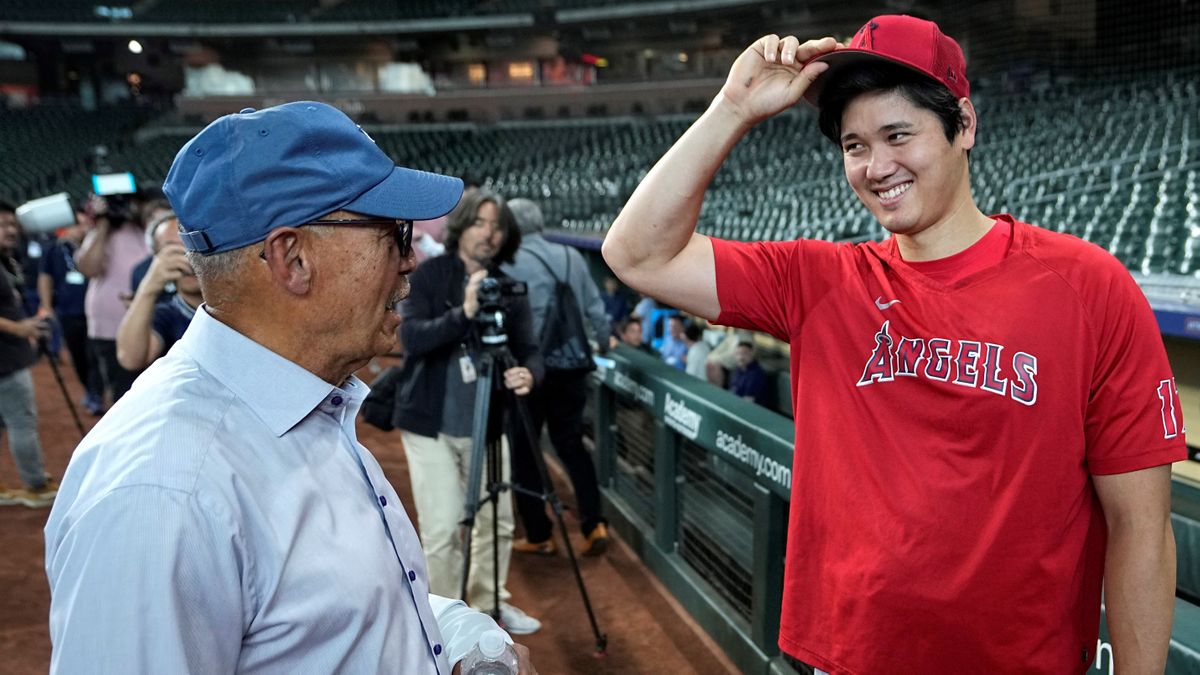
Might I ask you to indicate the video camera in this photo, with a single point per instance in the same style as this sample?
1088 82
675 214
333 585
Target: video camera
114 191
492 315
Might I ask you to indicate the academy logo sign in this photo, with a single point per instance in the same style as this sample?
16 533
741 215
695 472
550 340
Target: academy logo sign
627 384
681 418
760 464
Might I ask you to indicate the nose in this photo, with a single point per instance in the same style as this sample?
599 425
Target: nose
881 164
408 264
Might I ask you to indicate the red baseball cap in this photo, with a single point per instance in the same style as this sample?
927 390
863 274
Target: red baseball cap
915 43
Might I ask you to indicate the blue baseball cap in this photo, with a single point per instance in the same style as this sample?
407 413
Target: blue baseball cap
249 173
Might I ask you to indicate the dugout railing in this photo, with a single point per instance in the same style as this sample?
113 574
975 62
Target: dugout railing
697 482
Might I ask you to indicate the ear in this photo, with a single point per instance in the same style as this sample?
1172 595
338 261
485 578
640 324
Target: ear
970 123
288 261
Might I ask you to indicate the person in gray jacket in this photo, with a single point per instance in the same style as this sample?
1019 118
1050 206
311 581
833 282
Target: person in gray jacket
558 401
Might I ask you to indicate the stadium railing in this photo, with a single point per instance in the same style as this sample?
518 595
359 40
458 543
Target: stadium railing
698 482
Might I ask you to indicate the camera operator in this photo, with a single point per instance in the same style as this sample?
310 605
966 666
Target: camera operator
18 409
436 398
106 258
153 324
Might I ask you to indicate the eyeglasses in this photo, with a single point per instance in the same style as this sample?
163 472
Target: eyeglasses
402 230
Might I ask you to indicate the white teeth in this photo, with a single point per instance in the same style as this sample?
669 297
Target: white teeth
896 191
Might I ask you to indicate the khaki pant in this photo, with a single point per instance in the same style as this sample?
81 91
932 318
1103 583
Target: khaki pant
438 468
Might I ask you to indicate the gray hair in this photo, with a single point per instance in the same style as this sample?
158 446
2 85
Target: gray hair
527 214
153 227
217 272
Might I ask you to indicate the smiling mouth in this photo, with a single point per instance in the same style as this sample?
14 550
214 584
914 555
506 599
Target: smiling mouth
893 194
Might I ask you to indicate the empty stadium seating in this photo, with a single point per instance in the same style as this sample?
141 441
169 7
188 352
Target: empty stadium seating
280 11
48 148
1125 178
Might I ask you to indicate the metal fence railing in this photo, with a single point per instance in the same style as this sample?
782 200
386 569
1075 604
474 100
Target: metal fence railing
697 480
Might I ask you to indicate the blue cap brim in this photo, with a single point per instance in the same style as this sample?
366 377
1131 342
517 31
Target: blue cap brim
408 194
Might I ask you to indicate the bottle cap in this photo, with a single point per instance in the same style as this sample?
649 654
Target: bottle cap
492 643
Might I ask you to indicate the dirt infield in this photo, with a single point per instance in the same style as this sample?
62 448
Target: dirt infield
647 632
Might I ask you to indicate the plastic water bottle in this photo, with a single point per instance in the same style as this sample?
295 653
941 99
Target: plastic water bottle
492 656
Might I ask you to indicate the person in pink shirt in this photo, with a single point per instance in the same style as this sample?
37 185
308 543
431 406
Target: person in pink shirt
114 246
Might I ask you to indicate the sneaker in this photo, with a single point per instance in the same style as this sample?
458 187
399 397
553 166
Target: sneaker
93 404
597 540
517 622
540 548
6 497
34 499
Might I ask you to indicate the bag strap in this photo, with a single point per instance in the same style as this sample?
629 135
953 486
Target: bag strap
547 266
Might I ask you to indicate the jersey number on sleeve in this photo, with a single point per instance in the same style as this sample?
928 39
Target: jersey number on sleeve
1167 395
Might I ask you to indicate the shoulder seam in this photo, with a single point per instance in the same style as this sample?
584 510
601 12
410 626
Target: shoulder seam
1087 311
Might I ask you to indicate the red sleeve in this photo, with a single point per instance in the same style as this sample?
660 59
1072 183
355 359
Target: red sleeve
1134 420
768 286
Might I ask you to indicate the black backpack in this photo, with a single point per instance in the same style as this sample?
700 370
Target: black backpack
563 341
379 405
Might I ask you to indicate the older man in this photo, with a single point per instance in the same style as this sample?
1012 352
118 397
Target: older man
223 516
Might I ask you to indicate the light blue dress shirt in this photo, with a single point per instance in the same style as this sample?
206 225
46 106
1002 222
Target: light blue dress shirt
223 517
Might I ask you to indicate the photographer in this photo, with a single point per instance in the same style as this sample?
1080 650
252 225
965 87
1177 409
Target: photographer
106 258
153 324
18 409
436 397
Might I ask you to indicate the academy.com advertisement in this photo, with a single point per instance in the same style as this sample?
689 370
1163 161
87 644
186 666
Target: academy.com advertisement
761 448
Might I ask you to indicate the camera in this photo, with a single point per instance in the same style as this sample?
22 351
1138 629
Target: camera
117 208
46 214
491 316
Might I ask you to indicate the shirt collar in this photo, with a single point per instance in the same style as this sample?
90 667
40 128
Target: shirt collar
185 309
278 391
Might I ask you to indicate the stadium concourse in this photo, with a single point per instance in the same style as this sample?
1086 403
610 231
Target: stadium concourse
647 630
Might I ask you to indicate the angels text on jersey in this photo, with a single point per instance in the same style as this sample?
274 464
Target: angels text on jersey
967 363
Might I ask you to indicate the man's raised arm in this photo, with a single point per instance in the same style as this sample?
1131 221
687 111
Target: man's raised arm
653 246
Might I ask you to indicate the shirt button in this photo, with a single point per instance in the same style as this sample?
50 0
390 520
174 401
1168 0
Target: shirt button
412 576
336 400
437 649
382 500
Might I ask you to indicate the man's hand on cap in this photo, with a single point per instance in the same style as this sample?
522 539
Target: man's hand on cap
772 74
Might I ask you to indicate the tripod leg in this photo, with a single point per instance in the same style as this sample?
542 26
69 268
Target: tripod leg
551 496
62 386
494 473
483 394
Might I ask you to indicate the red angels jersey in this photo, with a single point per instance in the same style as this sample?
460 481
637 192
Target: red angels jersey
943 517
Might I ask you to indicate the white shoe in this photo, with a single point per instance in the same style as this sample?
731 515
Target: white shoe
513 620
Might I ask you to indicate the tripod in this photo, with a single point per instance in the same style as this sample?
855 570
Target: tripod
44 348
485 436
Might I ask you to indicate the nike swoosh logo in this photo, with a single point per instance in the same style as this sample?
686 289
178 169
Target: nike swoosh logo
884 305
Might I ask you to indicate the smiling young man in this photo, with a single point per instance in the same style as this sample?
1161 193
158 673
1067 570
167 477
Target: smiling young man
996 396
223 517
